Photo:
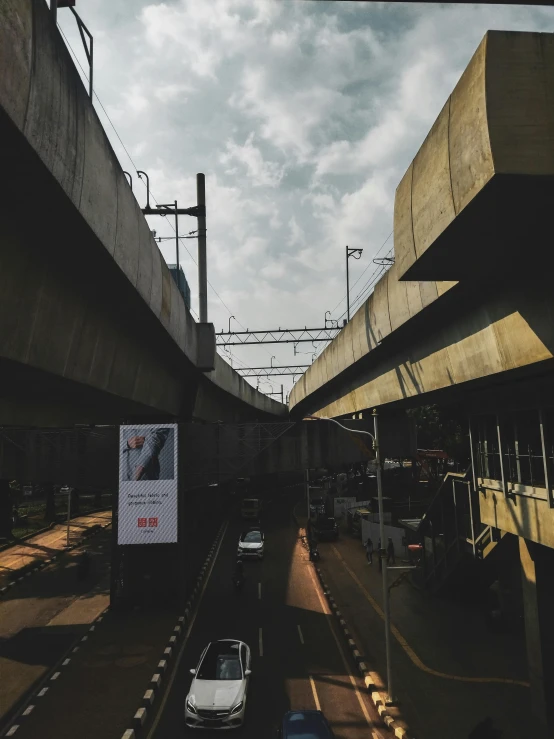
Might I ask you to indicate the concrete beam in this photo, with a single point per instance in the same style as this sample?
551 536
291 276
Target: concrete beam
483 181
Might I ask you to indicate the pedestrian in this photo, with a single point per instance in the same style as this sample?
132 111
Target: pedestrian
390 552
369 551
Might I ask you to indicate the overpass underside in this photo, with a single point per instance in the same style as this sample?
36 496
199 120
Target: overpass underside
93 328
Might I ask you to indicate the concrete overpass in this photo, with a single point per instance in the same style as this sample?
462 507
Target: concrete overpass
466 314
92 326
468 302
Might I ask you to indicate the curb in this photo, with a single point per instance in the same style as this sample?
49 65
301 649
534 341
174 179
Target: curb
17 542
50 678
377 698
154 689
45 562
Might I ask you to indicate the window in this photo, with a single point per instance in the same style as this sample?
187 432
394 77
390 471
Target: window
520 454
252 537
220 663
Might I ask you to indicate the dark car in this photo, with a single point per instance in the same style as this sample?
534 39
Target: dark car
302 724
326 528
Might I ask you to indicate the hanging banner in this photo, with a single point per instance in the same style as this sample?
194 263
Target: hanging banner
147 484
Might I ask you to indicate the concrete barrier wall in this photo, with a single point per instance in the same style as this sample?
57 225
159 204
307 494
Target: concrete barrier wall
511 330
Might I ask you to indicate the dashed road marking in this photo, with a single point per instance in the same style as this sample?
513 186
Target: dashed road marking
314 691
300 635
259 591
185 640
261 642
341 652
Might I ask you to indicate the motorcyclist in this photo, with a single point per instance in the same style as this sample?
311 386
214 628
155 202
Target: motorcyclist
238 576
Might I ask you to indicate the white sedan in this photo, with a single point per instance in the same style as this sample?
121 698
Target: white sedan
217 696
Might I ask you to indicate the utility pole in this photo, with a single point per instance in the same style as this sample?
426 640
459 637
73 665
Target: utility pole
202 258
382 555
308 493
282 395
177 247
382 549
356 253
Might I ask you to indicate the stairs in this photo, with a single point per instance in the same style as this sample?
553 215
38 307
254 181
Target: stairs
455 541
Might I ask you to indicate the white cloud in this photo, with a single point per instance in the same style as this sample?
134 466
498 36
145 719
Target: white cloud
303 116
260 172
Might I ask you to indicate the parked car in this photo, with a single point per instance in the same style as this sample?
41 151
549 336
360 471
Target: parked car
301 724
217 695
326 528
251 544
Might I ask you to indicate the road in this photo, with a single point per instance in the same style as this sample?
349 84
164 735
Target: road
44 615
298 657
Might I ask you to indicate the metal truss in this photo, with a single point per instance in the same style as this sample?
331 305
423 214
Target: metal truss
276 336
294 369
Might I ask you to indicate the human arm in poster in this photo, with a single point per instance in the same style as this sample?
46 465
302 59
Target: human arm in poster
151 448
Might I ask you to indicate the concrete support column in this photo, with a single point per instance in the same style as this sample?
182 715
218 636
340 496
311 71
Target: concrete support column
537 570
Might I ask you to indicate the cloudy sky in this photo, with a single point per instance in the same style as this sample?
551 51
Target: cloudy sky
303 115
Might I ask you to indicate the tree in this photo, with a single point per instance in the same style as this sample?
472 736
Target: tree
442 427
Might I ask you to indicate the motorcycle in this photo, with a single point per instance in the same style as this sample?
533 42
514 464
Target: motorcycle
314 553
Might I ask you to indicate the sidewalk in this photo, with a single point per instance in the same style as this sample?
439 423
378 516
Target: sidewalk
449 671
46 545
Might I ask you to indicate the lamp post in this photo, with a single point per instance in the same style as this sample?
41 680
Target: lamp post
356 253
382 550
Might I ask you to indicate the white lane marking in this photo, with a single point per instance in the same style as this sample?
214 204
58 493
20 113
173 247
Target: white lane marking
261 642
185 640
259 591
314 691
344 661
376 735
300 635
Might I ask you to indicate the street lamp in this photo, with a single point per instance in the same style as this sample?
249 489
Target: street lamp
230 322
382 550
356 253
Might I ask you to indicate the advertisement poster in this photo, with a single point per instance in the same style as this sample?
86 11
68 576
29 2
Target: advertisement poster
147 484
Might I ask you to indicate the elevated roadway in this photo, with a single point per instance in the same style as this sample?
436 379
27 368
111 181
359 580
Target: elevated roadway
467 305
92 326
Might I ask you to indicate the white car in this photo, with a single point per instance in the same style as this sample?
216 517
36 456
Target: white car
251 544
217 696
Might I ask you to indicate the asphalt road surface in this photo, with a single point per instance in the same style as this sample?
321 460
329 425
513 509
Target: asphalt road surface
44 615
298 658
